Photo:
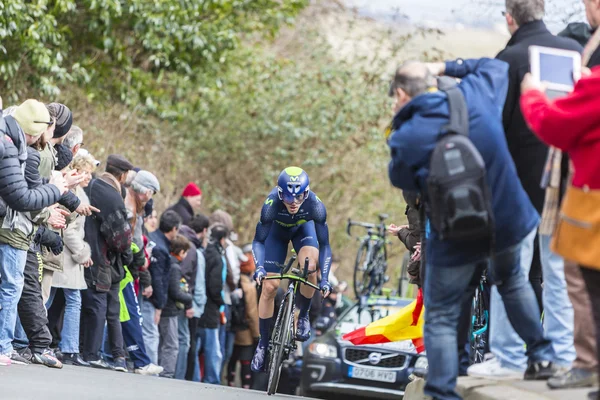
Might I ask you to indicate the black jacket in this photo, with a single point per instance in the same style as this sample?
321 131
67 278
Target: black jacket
175 292
109 235
184 209
189 265
14 190
528 152
160 265
214 285
582 32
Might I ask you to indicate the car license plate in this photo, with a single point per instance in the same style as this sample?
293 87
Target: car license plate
372 374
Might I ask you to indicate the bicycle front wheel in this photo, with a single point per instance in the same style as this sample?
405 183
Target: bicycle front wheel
280 342
362 271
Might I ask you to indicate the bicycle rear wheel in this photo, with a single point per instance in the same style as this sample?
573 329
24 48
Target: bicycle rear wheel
362 271
479 328
280 342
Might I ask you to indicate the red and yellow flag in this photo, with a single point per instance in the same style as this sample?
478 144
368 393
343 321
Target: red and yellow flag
407 324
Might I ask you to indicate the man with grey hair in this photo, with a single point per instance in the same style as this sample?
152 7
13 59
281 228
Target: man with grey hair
454 267
74 139
524 21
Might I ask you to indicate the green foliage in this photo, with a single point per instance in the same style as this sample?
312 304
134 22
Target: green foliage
153 52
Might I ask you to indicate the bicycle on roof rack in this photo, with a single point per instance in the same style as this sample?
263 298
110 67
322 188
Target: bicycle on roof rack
371 258
283 339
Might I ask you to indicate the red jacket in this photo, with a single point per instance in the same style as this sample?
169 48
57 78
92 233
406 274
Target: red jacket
572 124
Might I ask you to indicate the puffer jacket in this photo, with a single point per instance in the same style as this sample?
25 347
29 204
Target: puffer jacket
14 190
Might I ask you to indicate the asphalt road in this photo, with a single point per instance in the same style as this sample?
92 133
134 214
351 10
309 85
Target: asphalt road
35 382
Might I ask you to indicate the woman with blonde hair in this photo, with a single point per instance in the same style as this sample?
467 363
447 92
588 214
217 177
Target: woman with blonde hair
76 256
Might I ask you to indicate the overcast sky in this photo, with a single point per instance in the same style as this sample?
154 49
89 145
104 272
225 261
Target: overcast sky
478 13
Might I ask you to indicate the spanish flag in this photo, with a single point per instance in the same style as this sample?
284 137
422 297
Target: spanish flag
407 324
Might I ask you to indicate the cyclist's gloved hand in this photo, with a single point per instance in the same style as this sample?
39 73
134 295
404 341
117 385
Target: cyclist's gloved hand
325 288
260 274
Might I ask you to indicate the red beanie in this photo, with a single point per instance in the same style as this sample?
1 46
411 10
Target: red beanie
191 190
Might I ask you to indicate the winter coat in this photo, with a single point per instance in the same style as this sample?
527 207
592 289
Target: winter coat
159 269
199 290
416 129
247 336
108 233
214 256
189 265
571 124
528 152
14 190
184 209
412 235
76 251
176 296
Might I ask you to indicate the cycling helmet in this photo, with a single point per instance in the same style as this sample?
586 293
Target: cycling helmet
292 185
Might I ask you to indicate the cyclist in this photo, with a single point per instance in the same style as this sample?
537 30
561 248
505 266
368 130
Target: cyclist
293 213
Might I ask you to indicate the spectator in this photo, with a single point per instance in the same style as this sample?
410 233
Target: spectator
410 235
246 333
190 201
74 140
210 320
179 302
151 221
189 269
160 265
571 125
524 20
143 187
583 371
77 255
22 130
234 257
453 268
109 236
32 335
199 225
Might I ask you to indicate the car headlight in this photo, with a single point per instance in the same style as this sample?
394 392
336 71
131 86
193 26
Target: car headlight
422 363
323 350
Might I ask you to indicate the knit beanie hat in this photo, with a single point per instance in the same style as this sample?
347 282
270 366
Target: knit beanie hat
33 117
147 180
191 190
64 119
64 156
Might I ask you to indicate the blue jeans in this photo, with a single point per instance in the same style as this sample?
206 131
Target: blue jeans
446 288
208 342
150 331
558 310
20 341
184 346
226 338
69 342
12 265
505 343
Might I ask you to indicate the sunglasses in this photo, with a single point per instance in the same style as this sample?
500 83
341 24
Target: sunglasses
44 122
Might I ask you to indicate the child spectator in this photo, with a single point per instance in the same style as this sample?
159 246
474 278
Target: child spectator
178 300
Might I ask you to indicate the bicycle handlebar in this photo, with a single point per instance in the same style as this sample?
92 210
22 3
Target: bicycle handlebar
381 226
302 279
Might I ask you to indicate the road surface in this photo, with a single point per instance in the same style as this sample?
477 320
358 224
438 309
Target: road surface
35 382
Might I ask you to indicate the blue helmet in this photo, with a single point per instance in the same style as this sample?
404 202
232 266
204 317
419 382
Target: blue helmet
293 185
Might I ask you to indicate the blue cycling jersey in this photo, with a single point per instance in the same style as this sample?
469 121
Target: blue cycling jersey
275 212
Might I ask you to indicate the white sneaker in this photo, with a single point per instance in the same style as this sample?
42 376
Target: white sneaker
491 369
5 360
149 369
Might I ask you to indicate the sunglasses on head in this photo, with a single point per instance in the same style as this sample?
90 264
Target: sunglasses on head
44 122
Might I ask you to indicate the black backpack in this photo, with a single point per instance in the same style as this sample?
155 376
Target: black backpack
460 200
